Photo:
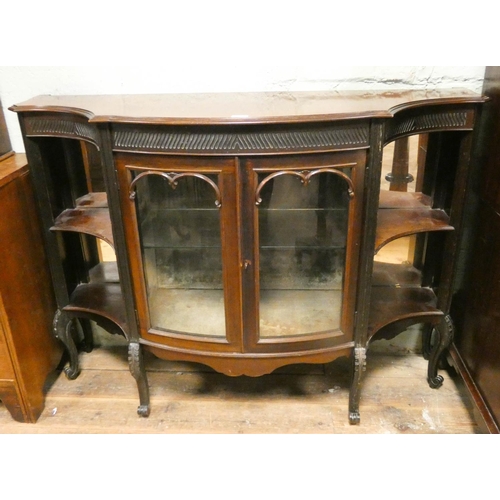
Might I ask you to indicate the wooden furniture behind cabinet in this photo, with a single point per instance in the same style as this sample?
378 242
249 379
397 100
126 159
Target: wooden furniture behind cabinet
476 349
245 226
28 351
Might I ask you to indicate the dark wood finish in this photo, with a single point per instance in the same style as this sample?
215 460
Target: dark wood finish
29 354
93 200
93 167
391 304
100 301
423 139
233 138
396 223
399 176
482 413
242 108
93 221
476 352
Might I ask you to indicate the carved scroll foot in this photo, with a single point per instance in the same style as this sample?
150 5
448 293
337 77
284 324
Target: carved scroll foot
138 371
63 328
354 418
354 393
445 332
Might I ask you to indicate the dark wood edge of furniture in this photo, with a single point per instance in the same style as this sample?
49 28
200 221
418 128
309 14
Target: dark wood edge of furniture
485 419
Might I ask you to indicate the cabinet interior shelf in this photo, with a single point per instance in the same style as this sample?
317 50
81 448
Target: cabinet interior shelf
90 216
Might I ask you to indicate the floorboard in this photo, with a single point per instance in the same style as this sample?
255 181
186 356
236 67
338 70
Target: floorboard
188 398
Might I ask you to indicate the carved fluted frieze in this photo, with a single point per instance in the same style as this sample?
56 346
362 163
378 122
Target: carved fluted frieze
61 125
224 140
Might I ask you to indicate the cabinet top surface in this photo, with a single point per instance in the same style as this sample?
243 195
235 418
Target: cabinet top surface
244 108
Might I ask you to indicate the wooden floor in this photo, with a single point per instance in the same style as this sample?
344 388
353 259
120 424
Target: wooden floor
301 399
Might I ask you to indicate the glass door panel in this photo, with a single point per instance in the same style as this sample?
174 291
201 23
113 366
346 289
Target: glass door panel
303 222
180 233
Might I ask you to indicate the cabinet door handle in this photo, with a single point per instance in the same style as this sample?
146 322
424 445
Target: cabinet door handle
247 264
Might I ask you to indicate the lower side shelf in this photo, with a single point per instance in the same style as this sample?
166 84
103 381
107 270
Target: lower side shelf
395 309
101 302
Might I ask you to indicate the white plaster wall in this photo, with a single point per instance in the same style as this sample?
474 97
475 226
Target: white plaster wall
19 83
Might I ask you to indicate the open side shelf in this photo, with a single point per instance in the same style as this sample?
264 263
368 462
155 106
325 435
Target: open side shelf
90 216
403 214
93 221
101 302
402 305
396 223
398 299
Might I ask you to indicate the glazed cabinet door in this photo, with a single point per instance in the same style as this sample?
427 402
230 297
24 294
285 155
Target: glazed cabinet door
181 226
301 250
244 255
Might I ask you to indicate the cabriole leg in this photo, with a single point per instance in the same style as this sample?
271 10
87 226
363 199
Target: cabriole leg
427 341
63 328
354 393
88 337
137 369
445 331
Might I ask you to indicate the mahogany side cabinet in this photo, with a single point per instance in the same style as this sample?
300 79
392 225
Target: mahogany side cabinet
29 353
246 225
